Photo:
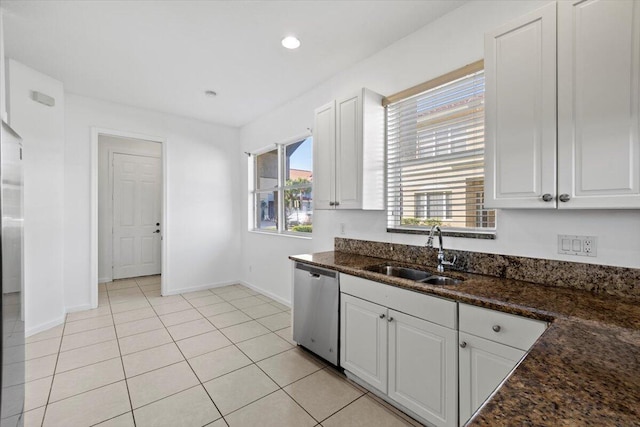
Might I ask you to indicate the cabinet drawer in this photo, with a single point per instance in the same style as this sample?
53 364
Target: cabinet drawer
427 307
509 329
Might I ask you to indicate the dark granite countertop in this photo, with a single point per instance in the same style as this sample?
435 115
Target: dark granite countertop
583 371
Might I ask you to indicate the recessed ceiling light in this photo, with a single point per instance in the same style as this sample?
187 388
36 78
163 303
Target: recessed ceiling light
291 42
210 93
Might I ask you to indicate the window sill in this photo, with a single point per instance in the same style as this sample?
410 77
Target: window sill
471 234
286 234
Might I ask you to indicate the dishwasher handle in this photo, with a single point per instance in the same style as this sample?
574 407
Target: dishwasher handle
315 272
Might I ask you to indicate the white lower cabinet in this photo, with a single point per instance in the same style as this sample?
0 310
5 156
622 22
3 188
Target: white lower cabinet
436 359
491 345
413 361
483 366
423 368
363 334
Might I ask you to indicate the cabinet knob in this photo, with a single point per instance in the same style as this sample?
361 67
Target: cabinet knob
382 316
496 328
336 203
463 344
564 197
547 197
332 203
390 319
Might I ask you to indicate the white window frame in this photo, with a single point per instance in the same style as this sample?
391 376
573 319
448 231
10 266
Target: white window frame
280 189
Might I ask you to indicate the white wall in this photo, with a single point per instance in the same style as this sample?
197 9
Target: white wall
452 41
107 145
202 196
42 131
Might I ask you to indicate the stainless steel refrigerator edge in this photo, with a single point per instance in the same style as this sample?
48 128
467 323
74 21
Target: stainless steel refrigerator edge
316 305
12 377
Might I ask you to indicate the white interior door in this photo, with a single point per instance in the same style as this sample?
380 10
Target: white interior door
136 215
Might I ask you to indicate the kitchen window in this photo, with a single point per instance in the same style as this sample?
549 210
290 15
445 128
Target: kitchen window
435 156
281 194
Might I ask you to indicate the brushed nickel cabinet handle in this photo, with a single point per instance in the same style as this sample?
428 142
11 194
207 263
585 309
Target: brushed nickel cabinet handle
496 328
463 344
564 197
547 197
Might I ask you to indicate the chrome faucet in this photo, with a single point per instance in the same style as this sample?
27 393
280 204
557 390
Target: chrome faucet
441 255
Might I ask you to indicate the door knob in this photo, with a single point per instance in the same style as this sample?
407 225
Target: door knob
157 231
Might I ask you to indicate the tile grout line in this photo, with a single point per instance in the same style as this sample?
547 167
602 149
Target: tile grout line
200 382
192 370
53 375
124 372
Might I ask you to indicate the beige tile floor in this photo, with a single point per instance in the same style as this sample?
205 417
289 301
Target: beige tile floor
218 357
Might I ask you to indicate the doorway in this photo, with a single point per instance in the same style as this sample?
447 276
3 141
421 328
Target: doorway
128 207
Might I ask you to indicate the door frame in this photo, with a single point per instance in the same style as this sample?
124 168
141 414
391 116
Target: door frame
93 270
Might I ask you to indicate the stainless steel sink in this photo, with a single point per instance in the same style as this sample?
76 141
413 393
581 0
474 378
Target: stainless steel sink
413 274
441 280
403 272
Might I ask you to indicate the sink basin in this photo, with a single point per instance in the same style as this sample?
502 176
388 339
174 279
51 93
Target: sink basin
413 274
403 272
441 280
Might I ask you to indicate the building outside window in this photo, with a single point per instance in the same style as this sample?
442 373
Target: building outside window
433 207
282 188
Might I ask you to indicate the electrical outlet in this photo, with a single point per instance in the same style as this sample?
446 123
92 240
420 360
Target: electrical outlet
577 245
343 228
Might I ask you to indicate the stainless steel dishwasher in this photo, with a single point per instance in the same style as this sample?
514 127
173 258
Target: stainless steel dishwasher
316 304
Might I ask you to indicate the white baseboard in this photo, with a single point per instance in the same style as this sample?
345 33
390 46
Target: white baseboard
79 308
265 292
233 282
44 326
200 287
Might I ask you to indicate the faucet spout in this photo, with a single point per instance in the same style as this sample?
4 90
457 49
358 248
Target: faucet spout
441 255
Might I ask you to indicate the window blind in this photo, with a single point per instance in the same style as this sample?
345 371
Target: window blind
435 157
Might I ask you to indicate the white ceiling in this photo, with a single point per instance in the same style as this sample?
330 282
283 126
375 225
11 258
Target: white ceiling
163 55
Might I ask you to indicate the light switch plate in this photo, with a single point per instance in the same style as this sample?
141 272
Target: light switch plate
569 244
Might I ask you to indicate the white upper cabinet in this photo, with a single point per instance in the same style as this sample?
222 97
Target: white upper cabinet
324 154
348 144
520 131
598 105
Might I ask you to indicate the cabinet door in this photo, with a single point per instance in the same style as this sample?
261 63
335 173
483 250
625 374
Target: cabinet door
483 366
423 368
520 126
598 104
349 153
324 155
363 340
